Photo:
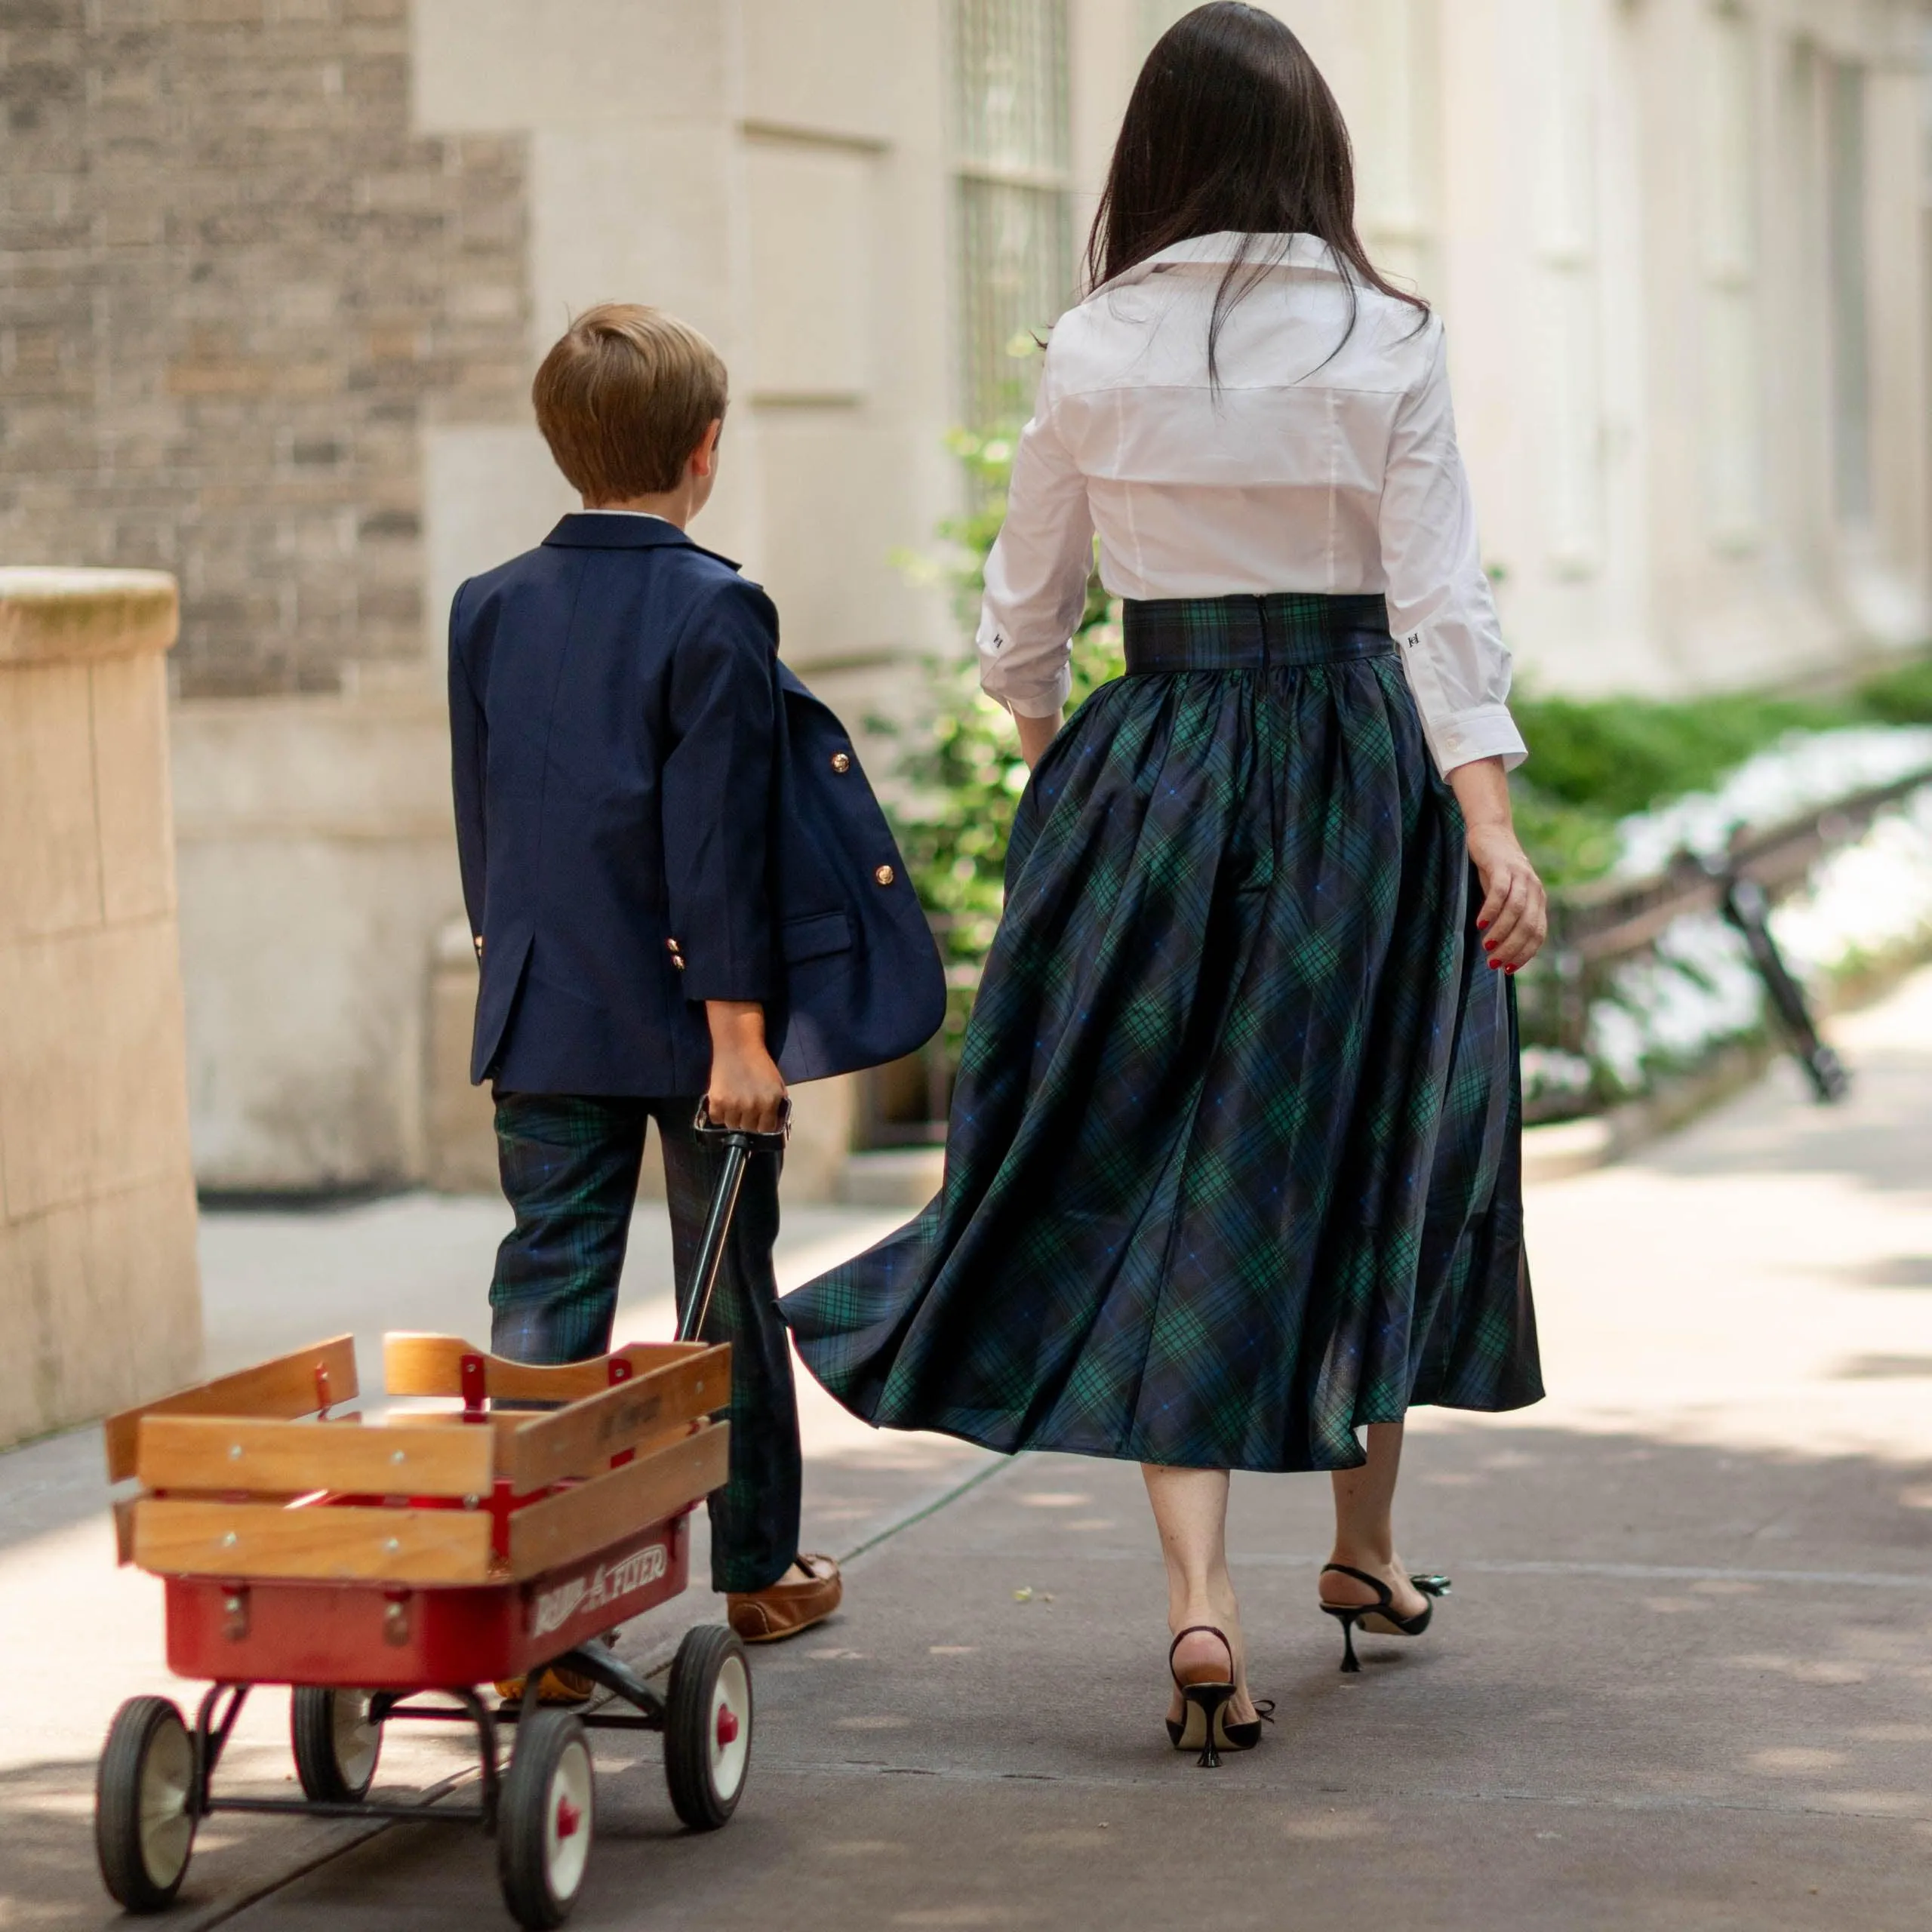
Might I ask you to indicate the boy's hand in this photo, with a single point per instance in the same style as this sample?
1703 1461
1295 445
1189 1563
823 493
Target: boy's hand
747 1091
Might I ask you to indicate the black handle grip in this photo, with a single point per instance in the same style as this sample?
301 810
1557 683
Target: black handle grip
740 1145
752 1143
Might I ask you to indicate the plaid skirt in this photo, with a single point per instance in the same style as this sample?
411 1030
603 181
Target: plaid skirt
1234 1164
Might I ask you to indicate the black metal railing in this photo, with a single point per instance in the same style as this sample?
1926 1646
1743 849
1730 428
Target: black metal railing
1597 927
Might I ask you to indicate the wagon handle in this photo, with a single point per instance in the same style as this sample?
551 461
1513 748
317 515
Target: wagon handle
740 1145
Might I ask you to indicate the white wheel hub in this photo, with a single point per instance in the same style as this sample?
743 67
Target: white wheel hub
167 1771
567 1822
730 1727
358 1741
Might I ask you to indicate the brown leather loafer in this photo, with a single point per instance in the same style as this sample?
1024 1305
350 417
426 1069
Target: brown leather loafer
763 1616
559 1686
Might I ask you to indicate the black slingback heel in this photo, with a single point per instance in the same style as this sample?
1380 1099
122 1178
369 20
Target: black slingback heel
1204 1725
1379 1618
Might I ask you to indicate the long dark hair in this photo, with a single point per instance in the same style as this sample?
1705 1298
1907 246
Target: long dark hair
1231 128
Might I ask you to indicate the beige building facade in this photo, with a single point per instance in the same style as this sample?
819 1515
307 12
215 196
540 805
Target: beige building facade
278 272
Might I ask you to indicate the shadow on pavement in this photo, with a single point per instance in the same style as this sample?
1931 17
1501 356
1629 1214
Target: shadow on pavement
1877 1137
49 1484
1676 1686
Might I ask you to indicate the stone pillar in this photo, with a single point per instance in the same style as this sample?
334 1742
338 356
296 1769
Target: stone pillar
100 1286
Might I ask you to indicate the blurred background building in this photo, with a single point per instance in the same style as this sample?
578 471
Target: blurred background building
275 274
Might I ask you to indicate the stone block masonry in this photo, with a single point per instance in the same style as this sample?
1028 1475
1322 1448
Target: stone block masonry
234 290
99 1289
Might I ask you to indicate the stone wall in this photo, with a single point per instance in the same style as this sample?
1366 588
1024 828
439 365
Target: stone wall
100 1292
234 290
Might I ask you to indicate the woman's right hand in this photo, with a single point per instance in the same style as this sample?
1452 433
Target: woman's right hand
1514 917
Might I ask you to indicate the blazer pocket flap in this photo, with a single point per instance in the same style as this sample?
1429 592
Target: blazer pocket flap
814 937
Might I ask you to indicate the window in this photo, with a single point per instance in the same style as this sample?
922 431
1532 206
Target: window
1393 168
1728 226
1014 212
1851 375
1568 355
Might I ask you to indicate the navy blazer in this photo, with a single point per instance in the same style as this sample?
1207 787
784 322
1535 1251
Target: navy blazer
651 812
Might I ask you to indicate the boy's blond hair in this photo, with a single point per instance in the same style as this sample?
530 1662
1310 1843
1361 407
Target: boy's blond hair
625 397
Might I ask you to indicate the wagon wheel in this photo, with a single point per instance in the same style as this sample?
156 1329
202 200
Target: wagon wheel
336 1741
143 1829
708 1727
544 1818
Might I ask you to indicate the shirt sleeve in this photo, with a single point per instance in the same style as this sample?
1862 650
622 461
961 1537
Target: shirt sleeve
1036 577
1440 608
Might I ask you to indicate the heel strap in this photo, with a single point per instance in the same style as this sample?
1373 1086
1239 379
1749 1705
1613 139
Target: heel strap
1200 1630
1383 1592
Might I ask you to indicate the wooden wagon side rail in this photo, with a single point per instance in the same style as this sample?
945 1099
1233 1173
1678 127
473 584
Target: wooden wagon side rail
297 1384
581 1519
432 1365
581 1440
236 1483
197 1538
326 1542
216 1454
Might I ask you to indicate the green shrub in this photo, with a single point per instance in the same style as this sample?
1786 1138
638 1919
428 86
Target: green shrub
1901 695
959 769
1622 755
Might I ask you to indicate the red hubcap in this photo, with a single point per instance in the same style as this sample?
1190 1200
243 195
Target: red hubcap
568 1819
727 1726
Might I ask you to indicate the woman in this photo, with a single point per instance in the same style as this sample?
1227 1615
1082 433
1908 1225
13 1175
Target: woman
1232 1176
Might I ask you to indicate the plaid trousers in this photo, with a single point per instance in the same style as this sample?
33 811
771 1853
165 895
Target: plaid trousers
570 1166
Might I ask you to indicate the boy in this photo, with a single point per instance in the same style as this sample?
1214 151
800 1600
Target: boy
615 713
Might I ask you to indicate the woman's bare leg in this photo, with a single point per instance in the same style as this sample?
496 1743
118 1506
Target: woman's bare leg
1191 1511
1364 1525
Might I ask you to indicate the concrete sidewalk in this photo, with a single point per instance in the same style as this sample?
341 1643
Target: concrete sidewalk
1685 1679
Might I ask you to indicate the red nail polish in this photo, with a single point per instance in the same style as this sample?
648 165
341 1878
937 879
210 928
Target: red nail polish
1482 925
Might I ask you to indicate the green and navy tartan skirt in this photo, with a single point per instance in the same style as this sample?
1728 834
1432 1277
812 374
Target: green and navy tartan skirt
1234 1164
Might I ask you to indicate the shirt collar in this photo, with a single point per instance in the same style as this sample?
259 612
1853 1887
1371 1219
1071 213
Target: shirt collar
1305 252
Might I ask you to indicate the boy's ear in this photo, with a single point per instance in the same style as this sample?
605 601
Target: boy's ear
704 458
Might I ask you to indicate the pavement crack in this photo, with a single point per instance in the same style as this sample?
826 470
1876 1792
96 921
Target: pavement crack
930 1505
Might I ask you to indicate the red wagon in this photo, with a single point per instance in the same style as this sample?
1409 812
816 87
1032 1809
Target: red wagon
384 1571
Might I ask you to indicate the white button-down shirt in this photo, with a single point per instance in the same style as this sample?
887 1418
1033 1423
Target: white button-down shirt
1320 464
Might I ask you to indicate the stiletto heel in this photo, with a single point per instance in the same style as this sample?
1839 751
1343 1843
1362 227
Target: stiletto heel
1210 1700
1203 1724
1380 1617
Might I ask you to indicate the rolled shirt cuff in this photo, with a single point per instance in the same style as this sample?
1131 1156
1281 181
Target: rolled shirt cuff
1486 731
1030 699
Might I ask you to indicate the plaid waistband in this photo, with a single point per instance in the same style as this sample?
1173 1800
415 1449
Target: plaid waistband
1289 627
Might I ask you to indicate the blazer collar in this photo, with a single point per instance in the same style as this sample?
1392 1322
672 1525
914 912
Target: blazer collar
593 530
